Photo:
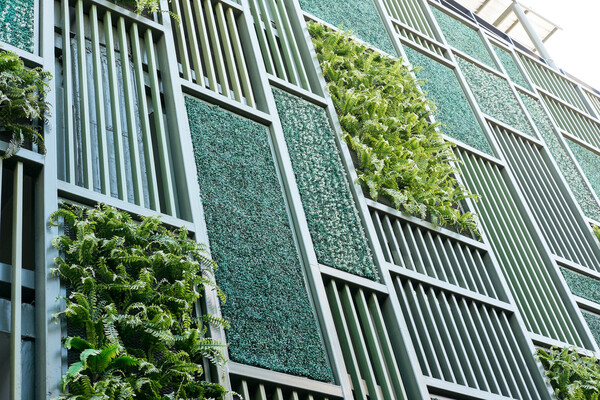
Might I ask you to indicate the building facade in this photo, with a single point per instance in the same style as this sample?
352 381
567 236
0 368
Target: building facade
219 120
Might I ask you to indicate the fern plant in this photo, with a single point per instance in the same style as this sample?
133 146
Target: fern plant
572 376
385 119
22 102
133 290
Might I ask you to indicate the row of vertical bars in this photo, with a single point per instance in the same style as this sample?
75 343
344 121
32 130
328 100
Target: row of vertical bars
16 278
594 100
277 42
552 82
574 122
547 200
427 252
419 40
250 390
465 343
155 181
520 260
410 13
366 346
209 48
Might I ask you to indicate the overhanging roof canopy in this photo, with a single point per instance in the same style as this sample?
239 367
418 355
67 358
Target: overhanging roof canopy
500 13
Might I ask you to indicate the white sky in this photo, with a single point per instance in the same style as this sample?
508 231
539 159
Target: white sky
575 49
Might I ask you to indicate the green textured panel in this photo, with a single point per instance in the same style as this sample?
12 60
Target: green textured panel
593 321
333 220
453 109
272 321
563 160
589 162
511 67
359 16
462 37
581 285
16 23
494 96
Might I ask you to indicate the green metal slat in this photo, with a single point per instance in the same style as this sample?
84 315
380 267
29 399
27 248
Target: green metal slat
15 292
228 51
68 92
239 57
115 109
386 346
84 105
205 44
262 39
100 111
279 67
343 333
215 40
286 51
151 180
287 27
193 42
168 188
134 153
179 29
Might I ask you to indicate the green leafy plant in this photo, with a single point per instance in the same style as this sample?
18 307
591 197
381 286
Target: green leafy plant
22 102
596 230
572 376
385 119
133 290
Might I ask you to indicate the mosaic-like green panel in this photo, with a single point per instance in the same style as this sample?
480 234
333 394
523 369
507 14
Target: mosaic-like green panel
593 321
563 160
453 109
589 162
333 220
272 321
359 16
494 96
511 67
581 285
462 37
16 23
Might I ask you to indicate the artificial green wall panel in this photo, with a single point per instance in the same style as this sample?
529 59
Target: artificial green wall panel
593 321
462 37
272 321
338 237
16 23
582 286
359 16
453 109
589 162
566 165
494 96
511 67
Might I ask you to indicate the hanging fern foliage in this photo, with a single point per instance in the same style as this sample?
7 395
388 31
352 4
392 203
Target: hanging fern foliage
133 290
23 105
385 118
572 376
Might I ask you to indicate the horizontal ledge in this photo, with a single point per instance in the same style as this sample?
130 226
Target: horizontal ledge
27 276
514 131
281 379
587 305
465 147
202 93
563 262
354 279
29 59
297 91
581 142
406 42
130 16
24 155
450 288
544 341
444 388
81 195
427 225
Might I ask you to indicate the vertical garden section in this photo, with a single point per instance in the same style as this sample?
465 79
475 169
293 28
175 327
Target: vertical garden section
333 220
16 23
401 157
273 323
